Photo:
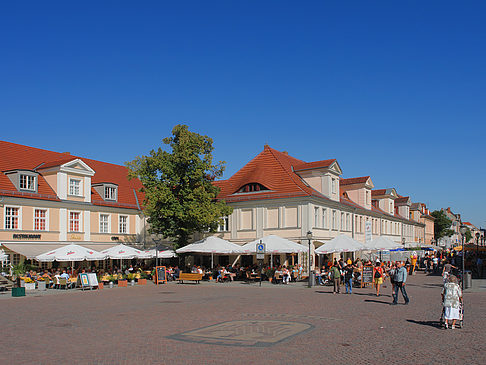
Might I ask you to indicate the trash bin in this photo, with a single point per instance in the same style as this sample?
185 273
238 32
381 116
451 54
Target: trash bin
312 279
467 279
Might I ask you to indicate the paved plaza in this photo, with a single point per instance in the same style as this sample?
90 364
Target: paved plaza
237 323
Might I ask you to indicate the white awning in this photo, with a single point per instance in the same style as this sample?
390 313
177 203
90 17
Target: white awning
32 249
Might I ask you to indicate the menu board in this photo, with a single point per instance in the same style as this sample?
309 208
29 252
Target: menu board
367 275
160 275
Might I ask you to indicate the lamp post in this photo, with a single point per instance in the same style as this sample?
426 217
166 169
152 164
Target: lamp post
477 244
311 277
463 231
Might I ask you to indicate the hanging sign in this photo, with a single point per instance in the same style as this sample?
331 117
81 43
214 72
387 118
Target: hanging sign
260 251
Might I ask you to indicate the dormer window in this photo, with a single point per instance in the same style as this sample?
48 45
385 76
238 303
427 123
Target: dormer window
27 182
110 193
252 187
75 187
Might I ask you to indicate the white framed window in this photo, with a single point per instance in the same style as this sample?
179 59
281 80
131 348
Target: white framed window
343 222
122 224
75 187
40 220
316 217
15 258
333 186
361 224
27 182
12 218
224 227
334 223
74 221
324 218
104 223
110 193
348 222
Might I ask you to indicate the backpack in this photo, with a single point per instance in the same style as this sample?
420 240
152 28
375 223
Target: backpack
377 274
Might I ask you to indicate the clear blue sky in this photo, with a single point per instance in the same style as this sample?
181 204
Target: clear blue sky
395 90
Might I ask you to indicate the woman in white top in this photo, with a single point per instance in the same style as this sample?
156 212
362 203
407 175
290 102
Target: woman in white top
452 300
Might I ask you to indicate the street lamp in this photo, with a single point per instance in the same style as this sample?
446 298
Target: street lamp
477 244
311 276
463 231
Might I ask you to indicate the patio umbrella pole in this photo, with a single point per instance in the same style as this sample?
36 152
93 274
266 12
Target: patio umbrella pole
212 260
271 260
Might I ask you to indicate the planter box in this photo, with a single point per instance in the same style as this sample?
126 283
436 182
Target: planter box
122 283
142 281
29 286
18 292
41 285
100 285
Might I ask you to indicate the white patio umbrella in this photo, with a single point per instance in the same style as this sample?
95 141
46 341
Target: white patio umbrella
122 252
274 244
382 243
71 253
341 243
165 254
212 245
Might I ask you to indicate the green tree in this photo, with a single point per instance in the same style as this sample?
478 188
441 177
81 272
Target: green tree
180 198
442 225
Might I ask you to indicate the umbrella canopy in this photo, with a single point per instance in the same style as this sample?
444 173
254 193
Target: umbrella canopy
71 253
382 243
122 252
165 254
341 243
275 245
213 245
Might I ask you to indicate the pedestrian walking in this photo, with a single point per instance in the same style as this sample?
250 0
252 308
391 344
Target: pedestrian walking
348 277
336 278
378 277
452 301
400 279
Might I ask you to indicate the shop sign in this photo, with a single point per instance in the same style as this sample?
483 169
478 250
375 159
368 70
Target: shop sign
75 237
23 236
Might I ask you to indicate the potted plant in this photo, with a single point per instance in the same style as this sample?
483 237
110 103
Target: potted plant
29 284
41 283
143 278
122 281
112 279
131 278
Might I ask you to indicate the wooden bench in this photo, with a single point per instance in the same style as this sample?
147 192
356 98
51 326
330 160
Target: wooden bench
189 276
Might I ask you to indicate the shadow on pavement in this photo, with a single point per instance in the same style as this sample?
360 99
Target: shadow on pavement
373 295
435 324
377 301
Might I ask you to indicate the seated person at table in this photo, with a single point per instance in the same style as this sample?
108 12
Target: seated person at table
64 275
285 275
177 271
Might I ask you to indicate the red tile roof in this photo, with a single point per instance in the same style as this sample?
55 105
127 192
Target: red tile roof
14 156
354 180
378 192
402 199
272 169
314 165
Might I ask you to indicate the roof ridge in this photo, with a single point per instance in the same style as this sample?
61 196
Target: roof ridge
283 167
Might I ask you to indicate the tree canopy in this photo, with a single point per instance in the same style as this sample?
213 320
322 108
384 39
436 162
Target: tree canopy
180 198
442 225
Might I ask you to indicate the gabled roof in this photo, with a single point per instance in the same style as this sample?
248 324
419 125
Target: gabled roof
354 180
314 165
402 200
14 156
274 170
382 192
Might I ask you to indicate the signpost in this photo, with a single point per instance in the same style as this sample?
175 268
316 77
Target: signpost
160 275
366 275
260 255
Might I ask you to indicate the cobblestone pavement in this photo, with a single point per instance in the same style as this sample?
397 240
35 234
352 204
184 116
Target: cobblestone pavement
239 323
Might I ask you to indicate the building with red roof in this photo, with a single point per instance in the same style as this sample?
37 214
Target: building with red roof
49 199
276 193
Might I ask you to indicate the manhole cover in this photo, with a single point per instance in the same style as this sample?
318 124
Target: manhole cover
245 333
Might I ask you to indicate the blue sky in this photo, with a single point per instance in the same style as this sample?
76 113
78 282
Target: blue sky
395 90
